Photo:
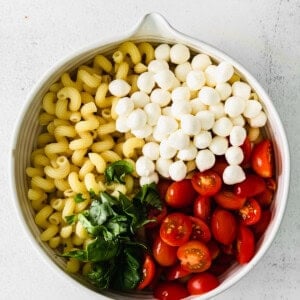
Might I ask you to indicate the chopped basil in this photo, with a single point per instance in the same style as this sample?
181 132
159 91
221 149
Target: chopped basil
116 171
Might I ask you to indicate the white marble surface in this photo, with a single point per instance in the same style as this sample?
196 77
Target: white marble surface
262 35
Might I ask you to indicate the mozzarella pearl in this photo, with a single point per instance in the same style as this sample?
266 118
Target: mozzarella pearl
188 153
158 136
217 110
190 124
153 111
157 65
259 121
149 179
237 135
203 139
145 82
143 132
177 170
179 140
119 88
140 99
222 127
234 106
224 90
241 89
164 79
166 151
238 121
180 107
252 109
124 106
162 166
233 174
167 111
161 97
175 84
181 93
201 62
136 119
205 160
210 75
162 52
121 124
151 150
144 166
224 72
207 119
166 125
209 96
197 105
218 145
179 54
234 155
182 70
195 80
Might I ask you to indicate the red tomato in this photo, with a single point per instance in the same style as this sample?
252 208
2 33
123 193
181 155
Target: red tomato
220 165
229 200
162 187
176 229
200 230
223 226
262 159
260 227
170 291
207 183
213 249
201 207
245 245
251 186
157 215
194 256
163 253
250 213
202 283
265 198
148 272
180 194
271 184
247 148
176 272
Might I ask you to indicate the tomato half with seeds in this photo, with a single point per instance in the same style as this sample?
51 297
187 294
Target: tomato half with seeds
176 272
251 186
245 245
176 229
148 272
164 254
229 200
202 207
207 183
194 256
250 213
200 230
202 283
170 291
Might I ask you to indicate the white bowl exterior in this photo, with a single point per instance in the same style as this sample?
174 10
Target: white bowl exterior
153 27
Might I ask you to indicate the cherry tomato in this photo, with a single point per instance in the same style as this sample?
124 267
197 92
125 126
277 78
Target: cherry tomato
271 184
157 215
247 148
148 272
213 249
223 226
220 165
176 229
251 186
202 283
229 200
176 272
265 198
227 249
163 253
180 194
207 183
260 227
194 256
170 291
262 159
200 230
245 244
250 213
202 207
162 187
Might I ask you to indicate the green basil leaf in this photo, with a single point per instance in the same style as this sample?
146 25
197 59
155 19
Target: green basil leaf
118 225
71 219
78 254
102 250
116 171
78 198
148 195
101 274
100 212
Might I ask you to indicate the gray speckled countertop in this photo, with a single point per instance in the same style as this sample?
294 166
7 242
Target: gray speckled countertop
264 36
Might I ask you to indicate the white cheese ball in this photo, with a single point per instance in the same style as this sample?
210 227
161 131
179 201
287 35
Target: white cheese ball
124 106
151 150
197 105
234 106
224 72
195 80
217 110
179 140
190 124
157 65
203 139
145 82
205 160
201 62
165 79
210 75
218 145
167 111
234 155
161 97
119 88
207 119
209 96
181 93
175 84
143 132
166 151
237 135
179 54
137 119
121 124
144 166
238 121
233 174
153 112
177 170
182 70
222 127
241 89
162 52
179 108
252 109
259 121
140 99
188 153
158 136
224 90
149 179
162 166
166 125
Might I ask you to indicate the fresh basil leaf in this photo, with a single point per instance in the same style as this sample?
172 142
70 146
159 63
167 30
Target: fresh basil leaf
78 198
117 225
107 198
100 212
94 230
148 195
71 219
78 254
102 250
116 171
101 274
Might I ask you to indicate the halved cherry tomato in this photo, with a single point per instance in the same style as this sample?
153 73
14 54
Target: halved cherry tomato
265 198
176 272
247 148
202 283
250 213
229 200
194 256
176 229
251 186
162 187
200 230
271 184
207 183
213 249
148 272
170 291
163 253
180 194
245 244
223 226
260 227
156 215
220 165
202 207
262 159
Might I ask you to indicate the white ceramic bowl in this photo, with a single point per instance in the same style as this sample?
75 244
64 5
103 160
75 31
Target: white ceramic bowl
153 28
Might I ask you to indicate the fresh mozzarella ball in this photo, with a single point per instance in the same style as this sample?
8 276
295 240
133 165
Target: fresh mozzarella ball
119 88
234 155
259 121
124 106
140 99
151 150
205 160
167 111
144 166
162 167
158 136
238 121
209 96
237 135
179 108
179 54
224 90
201 62
121 124
207 119
179 140
233 174
157 65
143 132
203 139
181 93
137 119
241 89
195 80
166 125
182 70
164 79
218 145
217 110
234 106
197 105
166 151
224 72
177 170
162 52
153 111
252 109
145 82
210 75
190 124
188 153
149 179
253 133
161 97
222 127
